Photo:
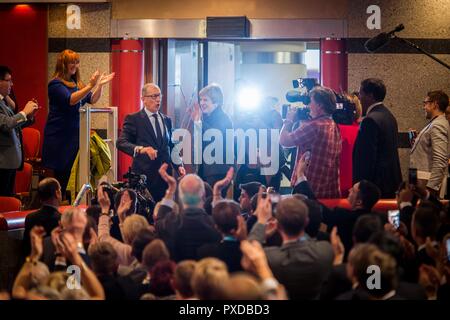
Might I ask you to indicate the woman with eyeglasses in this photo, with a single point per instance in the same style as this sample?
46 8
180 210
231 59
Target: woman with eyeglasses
67 93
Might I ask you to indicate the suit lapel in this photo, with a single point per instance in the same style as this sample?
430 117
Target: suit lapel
6 109
420 135
148 126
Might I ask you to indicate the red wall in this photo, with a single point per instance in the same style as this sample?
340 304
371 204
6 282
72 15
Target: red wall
23 34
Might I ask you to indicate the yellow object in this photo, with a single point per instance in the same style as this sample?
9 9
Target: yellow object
100 163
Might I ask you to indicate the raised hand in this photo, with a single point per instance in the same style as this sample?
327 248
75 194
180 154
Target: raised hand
264 208
94 78
338 247
30 108
103 199
196 113
104 79
241 231
171 182
36 237
221 184
124 207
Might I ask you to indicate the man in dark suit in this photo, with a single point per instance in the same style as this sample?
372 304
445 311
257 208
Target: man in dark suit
48 216
11 149
185 232
375 154
147 137
300 264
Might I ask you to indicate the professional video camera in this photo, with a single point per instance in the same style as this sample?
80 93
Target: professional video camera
345 109
145 201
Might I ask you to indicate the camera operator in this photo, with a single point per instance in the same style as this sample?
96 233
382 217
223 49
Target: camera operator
321 138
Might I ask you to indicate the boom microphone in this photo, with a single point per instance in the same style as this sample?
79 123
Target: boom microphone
375 43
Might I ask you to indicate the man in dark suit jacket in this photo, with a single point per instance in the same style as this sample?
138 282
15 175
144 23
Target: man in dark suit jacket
185 232
11 149
147 137
375 154
48 216
300 264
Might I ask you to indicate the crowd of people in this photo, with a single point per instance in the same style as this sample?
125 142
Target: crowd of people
199 243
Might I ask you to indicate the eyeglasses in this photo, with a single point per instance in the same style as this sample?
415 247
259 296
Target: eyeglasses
154 96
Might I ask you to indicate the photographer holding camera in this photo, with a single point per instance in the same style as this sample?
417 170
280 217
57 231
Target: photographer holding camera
320 136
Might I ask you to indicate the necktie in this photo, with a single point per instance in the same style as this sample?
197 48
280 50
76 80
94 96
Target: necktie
159 138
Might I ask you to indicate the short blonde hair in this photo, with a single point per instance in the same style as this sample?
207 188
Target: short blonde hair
131 227
210 278
214 92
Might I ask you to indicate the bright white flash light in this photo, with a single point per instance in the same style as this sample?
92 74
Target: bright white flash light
249 98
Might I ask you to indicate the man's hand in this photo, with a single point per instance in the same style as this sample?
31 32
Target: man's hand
291 114
301 166
103 199
124 207
171 182
55 234
254 259
221 184
69 248
36 237
150 152
181 171
30 108
338 247
263 211
241 232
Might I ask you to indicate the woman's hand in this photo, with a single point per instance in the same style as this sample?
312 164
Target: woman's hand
94 79
104 79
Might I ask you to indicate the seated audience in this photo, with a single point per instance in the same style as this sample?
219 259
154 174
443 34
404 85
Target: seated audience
48 216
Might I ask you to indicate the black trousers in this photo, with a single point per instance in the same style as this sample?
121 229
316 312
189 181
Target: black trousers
7 179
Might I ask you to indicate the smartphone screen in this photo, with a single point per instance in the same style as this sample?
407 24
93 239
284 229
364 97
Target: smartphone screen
448 249
412 176
394 218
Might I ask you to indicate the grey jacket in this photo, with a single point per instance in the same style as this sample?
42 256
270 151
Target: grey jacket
301 266
11 154
430 152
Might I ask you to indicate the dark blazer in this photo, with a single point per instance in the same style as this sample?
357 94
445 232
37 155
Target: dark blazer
375 154
185 232
47 217
138 131
305 189
227 251
218 120
301 266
